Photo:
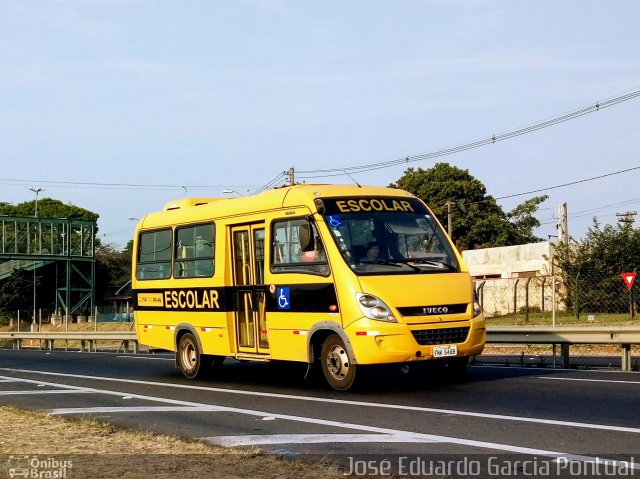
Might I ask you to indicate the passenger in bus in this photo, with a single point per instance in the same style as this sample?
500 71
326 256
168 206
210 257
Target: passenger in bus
308 253
310 256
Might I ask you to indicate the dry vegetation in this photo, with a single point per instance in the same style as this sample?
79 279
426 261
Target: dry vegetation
104 451
107 326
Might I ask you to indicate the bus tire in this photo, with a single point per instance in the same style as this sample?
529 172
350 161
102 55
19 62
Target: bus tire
189 357
337 368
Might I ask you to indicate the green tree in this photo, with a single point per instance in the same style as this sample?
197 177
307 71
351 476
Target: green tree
610 251
16 293
48 208
477 219
113 268
523 222
591 269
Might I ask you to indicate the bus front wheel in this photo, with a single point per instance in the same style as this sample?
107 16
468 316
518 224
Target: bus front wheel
338 370
189 357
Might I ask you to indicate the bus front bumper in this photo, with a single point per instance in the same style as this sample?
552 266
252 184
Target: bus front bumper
375 342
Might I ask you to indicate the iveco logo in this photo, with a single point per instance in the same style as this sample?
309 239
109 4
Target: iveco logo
435 310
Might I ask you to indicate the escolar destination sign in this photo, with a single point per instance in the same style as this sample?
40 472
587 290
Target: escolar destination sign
193 299
373 204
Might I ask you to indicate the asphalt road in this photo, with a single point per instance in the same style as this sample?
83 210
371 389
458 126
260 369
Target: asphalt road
533 420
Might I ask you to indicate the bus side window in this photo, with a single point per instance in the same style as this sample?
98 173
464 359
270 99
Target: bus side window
296 247
154 255
194 254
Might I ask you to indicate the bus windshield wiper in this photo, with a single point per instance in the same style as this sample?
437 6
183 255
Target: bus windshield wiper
381 261
396 263
430 262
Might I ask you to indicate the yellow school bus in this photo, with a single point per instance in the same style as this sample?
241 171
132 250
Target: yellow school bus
336 276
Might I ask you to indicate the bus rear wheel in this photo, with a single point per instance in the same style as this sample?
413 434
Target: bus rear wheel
189 357
338 370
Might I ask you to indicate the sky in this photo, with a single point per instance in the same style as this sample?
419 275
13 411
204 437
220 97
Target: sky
116 105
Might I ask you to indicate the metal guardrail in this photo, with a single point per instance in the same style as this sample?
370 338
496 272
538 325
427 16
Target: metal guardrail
88 339
624 336
566 334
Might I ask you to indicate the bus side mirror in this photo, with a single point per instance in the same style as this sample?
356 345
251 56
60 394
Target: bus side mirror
320 206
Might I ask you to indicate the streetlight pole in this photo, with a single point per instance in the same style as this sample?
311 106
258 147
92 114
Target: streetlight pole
36 190
227 191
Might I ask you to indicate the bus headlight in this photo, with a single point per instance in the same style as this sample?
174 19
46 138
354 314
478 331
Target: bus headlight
477 310
374 308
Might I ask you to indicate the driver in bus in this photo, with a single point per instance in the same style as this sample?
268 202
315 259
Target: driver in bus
373 251
373 255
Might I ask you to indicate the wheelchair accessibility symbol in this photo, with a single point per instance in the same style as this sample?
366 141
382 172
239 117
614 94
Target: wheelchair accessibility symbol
283 298
335 221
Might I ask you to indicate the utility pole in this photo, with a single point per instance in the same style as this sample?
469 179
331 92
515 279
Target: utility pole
36 190
627 217
449 219
291 177
563 224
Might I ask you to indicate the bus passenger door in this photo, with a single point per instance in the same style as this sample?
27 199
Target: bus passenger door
250 294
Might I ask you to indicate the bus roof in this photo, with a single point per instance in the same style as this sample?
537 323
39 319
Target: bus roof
189 209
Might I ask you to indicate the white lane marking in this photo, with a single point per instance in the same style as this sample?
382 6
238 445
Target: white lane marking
41 392
267 439
635 383
412 436
98 410
27 392
532 420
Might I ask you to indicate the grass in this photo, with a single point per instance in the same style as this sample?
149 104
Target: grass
104 451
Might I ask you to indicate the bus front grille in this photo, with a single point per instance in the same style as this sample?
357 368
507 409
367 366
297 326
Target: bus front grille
425 337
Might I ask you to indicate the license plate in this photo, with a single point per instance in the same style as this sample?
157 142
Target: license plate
443 351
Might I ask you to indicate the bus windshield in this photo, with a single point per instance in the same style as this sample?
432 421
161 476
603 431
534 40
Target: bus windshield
381 236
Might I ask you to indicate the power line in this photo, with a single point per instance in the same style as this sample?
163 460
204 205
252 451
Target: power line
539 190
271 183
568 184
309 174
588 212
328 172
88 184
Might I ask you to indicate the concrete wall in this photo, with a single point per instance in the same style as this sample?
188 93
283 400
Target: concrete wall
532 259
